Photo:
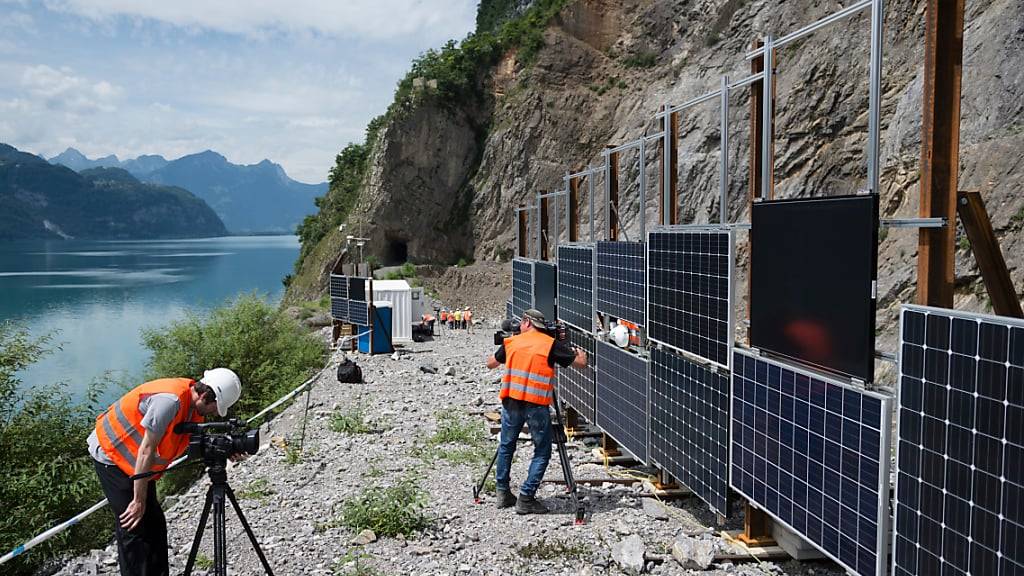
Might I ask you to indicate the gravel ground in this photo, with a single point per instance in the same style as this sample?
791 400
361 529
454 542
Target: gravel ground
293 502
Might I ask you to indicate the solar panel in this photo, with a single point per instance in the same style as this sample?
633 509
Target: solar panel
690 426
814 454
357 288
960 450
690 273
621 280
522 286
508 308
358 313
576 285
545 286
621 402
807 255
576 385
339 286
339 308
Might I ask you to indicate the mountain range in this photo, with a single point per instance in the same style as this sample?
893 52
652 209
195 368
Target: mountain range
43 200
254 198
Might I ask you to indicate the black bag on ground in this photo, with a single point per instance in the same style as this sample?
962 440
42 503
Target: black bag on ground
349 372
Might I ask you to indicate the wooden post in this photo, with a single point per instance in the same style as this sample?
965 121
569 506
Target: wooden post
756 127
544 228
574 209
940 149
521 222
757 528
609 447
669 122
613 196
989 256
572 418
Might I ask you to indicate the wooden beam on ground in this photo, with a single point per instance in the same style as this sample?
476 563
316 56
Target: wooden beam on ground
749 552
989 256
612 209
940 149
544 221
574 210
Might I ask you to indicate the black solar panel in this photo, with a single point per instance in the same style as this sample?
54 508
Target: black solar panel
339 308
339 286
508 308
690 426
960 450
358 313
621 404
620 282
690 272
814 454
522 286
576 286
576 385
545 286
357 288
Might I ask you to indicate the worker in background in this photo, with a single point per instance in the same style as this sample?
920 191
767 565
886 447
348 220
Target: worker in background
458 319
526 391
467 315
136 436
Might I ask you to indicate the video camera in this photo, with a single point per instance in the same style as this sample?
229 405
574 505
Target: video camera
555 329
212 447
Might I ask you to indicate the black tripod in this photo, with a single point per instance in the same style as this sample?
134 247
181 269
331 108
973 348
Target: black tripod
563 457
215 497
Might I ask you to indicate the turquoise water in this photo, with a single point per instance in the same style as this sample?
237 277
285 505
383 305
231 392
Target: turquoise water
96 297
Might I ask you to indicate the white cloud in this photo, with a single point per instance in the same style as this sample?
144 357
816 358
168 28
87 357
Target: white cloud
371 19
63 90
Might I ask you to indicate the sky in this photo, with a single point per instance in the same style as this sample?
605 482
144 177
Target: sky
293 81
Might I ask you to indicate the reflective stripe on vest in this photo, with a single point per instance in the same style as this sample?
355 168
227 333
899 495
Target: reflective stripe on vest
527 373
120 431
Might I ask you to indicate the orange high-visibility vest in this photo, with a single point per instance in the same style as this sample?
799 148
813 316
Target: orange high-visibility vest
120 429
527 373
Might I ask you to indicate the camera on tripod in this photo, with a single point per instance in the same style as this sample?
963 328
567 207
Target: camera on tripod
555 329
210 446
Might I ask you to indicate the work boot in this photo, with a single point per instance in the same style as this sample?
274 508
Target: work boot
530 505
506 499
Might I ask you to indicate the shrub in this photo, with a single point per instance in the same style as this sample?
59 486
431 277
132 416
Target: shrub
351 422
388 511
46 473
640 60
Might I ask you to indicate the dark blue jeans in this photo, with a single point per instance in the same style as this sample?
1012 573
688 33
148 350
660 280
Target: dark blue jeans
514 414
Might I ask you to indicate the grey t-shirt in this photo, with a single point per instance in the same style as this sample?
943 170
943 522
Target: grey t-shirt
157 410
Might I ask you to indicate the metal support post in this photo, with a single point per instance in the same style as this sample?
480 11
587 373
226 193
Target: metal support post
643 189
723 170
544 222
767 114
590 196
874 93
573 210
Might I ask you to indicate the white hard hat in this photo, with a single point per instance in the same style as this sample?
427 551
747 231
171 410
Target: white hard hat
619 335
225 385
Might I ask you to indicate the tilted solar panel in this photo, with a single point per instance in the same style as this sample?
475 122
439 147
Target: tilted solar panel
545 288
522 286
814 454
621 404
339 309
358 313
357 288
339 286
960 450
576 385
576 285
621 280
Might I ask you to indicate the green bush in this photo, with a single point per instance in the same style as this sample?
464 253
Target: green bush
388 511
640 60
46 473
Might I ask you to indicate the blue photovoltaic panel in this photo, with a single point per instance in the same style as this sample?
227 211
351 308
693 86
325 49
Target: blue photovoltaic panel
576 385
545 287
522 286
690 426
620 282
339 286
960 449
690 271
814 454
576 285
339 309
358 313
622 398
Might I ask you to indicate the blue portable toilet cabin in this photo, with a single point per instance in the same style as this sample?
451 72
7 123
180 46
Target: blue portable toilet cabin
377 339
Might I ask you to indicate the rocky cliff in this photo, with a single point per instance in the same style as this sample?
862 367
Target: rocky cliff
438 190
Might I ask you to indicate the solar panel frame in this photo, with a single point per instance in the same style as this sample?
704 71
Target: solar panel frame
577 386
819 414
522 286
576 285
618 372
339 309
620 280
690 424
715 343
952 370
339 286
359 312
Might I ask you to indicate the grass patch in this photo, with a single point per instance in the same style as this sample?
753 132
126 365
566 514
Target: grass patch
292 454
258 489
406 271
203 562
964 243
350 422
640 60
1018 218
454 428
545 549
353 564
388 511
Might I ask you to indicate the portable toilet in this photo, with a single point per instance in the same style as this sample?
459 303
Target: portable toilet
378 339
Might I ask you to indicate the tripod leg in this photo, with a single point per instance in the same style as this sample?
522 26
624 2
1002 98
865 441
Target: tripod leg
480 487
248 530
220 540
199 533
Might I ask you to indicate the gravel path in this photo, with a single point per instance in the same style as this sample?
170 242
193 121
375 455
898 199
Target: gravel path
294 501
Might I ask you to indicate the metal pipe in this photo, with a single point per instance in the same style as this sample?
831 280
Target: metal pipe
766 118
607 197
655 136
796 35
666 189
723 165
643 189
539 227
622 147
590 195
745 82
875 91
913 223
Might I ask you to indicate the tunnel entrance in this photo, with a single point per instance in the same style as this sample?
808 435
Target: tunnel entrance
397 252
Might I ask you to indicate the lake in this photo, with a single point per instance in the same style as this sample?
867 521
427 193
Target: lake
97 296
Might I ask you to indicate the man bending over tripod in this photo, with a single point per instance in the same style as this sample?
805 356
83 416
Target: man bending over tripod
136 436
526 389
